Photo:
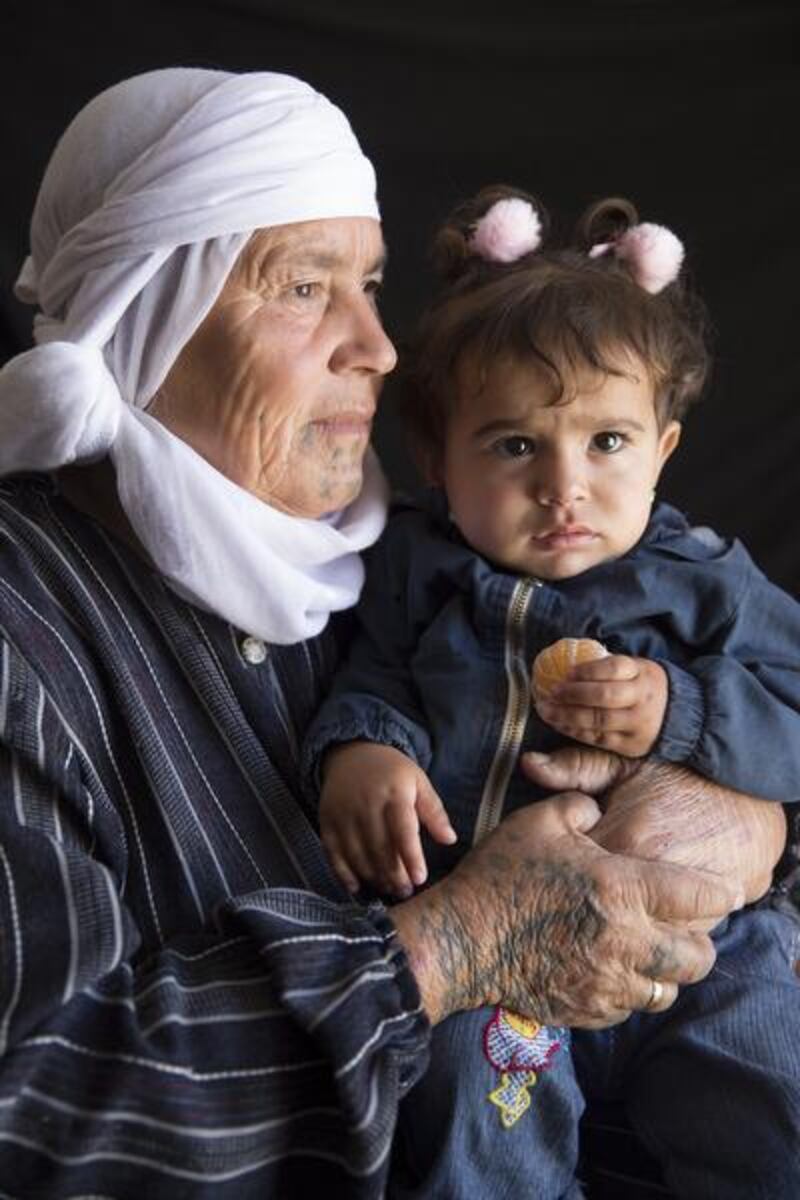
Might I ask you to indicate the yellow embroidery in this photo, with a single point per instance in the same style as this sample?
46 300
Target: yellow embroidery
512 1096
520 1024
519 1049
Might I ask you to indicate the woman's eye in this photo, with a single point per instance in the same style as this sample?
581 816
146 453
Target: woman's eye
514 446
608 441
373 288
305 291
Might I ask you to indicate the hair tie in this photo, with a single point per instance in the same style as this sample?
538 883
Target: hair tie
653 253
507 230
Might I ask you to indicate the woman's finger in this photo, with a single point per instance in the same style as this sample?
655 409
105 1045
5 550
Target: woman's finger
656 995
680 956
575 767
679 894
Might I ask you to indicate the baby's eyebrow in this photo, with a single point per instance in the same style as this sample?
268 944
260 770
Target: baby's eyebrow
617 423
499 425
504 424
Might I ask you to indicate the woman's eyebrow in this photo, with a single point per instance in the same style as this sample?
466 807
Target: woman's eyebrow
322 259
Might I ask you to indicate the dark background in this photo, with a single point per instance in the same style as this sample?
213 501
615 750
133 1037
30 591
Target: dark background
691 109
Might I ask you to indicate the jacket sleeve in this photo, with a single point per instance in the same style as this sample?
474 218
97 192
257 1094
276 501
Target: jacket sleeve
734 711
284 1033
374 697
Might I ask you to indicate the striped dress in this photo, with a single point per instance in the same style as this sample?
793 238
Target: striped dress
189 1006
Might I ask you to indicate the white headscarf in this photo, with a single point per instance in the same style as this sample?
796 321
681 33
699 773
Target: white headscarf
147 201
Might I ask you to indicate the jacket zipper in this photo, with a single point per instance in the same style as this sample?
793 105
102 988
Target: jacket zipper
516 714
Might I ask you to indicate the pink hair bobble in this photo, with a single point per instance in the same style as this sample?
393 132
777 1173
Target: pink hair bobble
653 253
506 231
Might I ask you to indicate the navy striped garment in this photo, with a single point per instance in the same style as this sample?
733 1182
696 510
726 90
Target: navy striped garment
189 1006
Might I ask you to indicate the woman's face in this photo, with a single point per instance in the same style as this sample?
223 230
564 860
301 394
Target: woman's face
277 388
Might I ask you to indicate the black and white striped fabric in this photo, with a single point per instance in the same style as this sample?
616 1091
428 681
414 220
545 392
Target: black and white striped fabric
189 1006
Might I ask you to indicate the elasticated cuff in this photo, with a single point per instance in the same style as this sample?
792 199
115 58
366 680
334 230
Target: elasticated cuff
684 719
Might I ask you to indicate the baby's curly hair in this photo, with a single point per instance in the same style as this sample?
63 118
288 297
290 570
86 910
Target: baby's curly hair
556 307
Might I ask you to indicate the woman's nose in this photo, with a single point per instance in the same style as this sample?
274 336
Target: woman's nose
364 345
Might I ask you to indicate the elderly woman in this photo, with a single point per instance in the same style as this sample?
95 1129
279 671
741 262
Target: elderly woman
189 1004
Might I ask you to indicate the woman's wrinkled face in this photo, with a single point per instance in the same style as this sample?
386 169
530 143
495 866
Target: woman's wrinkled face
277 388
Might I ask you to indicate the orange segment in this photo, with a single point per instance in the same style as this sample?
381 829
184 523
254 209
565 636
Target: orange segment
553 664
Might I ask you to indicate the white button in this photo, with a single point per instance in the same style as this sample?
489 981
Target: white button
253 650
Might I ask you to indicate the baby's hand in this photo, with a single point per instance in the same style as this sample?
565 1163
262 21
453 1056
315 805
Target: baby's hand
373 800
614 702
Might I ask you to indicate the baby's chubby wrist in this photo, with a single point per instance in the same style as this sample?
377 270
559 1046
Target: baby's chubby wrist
337 755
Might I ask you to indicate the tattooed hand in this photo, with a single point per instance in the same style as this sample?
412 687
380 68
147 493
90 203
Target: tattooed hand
540 918
662 811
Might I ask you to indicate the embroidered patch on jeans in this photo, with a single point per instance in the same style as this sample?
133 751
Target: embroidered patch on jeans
517 1048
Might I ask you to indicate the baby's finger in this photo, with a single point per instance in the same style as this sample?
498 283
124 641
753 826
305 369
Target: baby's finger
388 872
356 848
578 722
614 667
598 694
403 827
433 815
340 865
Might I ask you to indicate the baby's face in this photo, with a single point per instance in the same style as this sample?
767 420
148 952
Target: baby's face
549 490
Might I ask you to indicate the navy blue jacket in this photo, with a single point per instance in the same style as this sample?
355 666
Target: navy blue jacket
441 667
189 1004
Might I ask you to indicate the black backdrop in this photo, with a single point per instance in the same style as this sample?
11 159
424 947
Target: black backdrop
690 108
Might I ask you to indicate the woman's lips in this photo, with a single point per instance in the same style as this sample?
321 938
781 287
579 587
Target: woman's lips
346 424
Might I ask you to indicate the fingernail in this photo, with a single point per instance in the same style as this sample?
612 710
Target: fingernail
537 756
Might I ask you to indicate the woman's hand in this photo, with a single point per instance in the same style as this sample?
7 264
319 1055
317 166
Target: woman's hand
372 803
662 811
540 918
616 702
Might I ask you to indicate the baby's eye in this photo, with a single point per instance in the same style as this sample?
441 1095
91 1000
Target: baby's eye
515 446
608 442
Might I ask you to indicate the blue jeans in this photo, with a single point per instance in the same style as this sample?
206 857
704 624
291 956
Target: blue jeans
712 1087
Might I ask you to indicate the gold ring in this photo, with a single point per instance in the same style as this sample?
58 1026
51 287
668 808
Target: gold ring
656 992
